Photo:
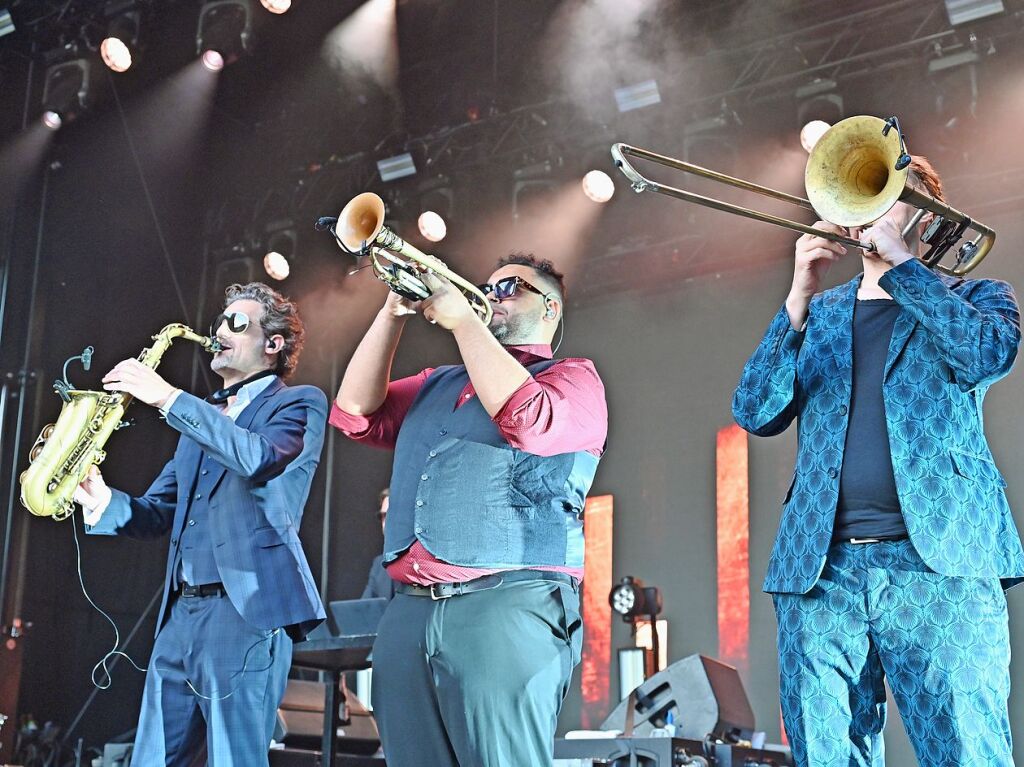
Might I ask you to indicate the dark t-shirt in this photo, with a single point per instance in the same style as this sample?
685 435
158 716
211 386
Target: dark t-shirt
869 506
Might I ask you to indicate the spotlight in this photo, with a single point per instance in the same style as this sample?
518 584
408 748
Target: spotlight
598 186
399 166
52 120
437 194
276 6
632 600
276 265
282 240
6 23
225 26
535 185
818 101
811 132
962 11
119 47
67 89
432 226
637 96
213 61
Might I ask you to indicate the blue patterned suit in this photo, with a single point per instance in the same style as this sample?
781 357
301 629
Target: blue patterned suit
220 663
926 612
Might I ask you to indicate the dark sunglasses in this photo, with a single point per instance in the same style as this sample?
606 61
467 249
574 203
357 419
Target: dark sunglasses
506 287
237 322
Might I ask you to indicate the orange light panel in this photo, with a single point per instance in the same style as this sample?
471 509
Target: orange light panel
733 505
595 671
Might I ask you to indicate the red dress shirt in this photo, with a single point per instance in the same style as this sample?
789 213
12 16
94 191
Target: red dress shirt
560 410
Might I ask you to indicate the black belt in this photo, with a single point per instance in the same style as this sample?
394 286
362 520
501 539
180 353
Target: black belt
202 590
883 539
446 590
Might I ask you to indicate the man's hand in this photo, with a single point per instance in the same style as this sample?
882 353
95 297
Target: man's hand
890 247
447 306
814 257
397 307
93 496
143 383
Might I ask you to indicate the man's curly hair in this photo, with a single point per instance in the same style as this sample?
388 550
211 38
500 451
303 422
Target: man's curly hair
280 317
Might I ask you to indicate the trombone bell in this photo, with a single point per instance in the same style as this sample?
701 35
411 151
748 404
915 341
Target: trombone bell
850 176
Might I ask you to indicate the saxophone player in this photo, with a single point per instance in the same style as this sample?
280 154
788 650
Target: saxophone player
237 588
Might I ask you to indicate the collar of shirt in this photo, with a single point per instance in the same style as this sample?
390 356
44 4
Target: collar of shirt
247 394
528 353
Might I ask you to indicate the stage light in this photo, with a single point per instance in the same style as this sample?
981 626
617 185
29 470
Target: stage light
632 600
52 120
637 96
225 26
598 186
811 132
282 241
116 54
119 47
6 23
950 61
962 11
817 102
213 61
399 166
276 265
276 6
432 226
67 90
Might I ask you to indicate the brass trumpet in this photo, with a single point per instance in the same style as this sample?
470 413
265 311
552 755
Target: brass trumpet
854 175
360 230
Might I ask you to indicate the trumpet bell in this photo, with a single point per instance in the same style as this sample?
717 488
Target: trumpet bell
360 221
850 176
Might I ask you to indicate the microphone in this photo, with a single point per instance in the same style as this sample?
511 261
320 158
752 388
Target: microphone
325 222
87 357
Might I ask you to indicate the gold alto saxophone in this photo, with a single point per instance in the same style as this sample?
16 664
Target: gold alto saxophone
64 451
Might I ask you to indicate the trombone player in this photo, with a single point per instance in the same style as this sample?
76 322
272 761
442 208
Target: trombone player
896 540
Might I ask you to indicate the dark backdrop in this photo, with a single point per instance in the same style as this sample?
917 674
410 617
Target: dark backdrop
669 321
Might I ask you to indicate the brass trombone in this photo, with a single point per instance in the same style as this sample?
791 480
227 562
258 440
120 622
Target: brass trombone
359 230
854 175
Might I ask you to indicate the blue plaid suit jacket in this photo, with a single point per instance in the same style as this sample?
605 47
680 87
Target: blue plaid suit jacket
263 466
952 339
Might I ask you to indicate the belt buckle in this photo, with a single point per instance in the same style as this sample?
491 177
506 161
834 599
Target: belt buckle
436 595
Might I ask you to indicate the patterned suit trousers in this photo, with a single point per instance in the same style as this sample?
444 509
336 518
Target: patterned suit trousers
878 612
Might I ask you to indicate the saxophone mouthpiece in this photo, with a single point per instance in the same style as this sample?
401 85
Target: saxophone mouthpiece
214 346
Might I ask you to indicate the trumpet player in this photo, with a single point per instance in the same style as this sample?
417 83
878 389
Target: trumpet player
493 460
237 589
896 540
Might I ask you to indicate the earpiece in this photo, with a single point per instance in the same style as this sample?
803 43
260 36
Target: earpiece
550 313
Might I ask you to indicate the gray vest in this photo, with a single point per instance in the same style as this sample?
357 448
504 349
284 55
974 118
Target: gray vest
472 499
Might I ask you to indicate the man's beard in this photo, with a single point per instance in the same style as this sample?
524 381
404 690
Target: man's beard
513 330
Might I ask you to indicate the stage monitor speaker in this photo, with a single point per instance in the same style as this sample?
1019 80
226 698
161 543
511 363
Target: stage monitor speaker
706 697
